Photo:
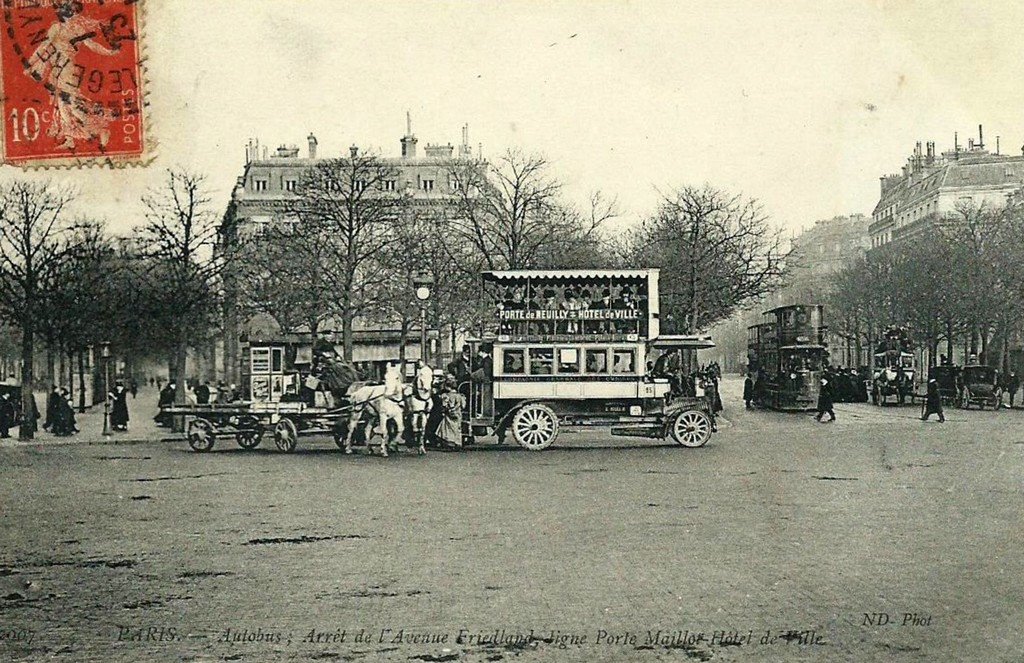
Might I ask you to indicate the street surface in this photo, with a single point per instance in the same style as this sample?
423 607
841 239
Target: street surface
874 538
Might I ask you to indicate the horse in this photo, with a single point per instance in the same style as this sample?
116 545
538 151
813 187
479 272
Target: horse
386 402
418 404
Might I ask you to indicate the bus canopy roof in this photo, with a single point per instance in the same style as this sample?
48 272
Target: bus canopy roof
517 274
671 342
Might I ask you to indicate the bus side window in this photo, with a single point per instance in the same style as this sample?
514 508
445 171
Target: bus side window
542 361
623 361
597 361
513 362
568 360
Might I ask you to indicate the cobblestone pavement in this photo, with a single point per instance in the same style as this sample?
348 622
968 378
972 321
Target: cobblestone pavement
782 540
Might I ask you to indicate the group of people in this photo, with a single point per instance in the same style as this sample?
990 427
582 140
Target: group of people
60 413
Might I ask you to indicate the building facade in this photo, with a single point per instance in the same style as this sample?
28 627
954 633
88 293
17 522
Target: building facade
932 186
270 181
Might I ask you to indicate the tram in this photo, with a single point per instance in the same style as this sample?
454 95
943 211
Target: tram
786 354
571 348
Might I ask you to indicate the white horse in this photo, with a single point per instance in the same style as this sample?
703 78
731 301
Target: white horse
385 401
419 403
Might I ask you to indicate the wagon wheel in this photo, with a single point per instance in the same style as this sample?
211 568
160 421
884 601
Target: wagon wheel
251 434
286 435
691 428
535 427
200 435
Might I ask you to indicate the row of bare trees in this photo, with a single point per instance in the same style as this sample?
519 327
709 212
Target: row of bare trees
958 287
67 284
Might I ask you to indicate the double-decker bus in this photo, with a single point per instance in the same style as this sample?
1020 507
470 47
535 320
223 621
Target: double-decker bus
572 348
786 354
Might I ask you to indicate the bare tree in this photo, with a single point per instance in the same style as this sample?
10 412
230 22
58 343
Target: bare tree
33 245
511 215
353 205
716 251
179 260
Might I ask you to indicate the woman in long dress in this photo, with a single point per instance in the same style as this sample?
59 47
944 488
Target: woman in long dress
452 404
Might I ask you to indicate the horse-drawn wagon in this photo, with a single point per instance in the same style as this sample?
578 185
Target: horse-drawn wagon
571 349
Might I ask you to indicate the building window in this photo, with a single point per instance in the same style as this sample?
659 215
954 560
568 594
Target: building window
259 185
427 185
455 184
359 186
389 185
289 185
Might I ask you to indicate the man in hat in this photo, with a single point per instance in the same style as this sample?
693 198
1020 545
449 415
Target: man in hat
52 407
933 402
119 407
825 400
7 414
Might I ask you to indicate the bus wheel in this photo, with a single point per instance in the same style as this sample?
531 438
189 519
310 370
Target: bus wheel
200 435
534 427
691 428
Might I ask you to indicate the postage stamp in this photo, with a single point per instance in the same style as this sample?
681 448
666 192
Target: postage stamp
72 82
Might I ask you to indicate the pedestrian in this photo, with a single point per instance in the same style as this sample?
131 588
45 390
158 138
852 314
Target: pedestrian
449 432
7 414
167 396
748 391
64 416
134 388
119 407
1012 385
203 393
825 401
52 405
933 402
159 384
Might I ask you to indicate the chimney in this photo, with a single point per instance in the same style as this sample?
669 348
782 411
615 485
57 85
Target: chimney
931 151
408 140
981 138
997 145
312 145
353 151
464 149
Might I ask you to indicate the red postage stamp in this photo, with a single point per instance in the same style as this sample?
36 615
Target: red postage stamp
72 83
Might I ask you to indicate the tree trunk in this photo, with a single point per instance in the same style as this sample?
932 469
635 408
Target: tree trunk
180 359
346 333
28 419
51 375
62 372
81 381
403 336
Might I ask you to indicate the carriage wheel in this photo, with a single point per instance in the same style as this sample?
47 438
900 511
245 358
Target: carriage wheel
535 427
286 435
200 435
691 428
252 433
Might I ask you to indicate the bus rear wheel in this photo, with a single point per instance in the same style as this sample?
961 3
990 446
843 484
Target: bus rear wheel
534 427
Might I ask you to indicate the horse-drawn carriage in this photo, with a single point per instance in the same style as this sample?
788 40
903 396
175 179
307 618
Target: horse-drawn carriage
980 386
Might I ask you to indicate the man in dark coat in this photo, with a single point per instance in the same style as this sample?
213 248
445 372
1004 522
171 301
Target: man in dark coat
748 390
167 396
825 400
203 394
1012 385
933 402
52 406
7 414
119 408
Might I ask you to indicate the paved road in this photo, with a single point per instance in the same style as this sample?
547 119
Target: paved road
781 530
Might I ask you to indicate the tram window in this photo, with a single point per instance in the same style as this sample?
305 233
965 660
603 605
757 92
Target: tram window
568 360
597 361
276 360
908 362
542 361
623 361
513 362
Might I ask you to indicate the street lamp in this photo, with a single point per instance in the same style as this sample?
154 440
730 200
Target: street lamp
105 355
422 282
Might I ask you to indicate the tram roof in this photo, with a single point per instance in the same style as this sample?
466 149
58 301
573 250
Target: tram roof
791 306
804 346
518 274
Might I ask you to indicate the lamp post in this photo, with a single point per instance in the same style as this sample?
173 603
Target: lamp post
422 282
105 355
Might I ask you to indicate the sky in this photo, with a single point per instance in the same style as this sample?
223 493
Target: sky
801 105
